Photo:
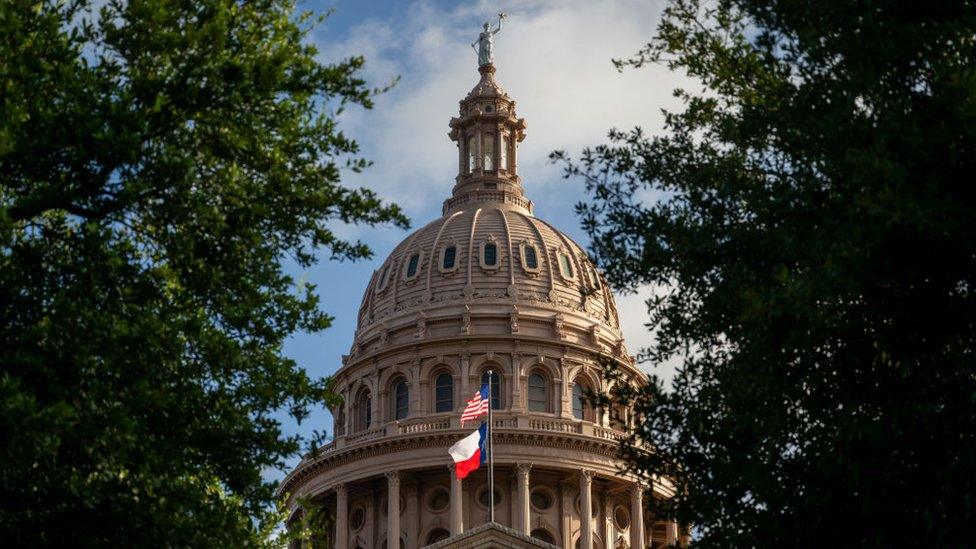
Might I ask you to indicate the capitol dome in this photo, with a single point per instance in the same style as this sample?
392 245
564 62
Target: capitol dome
487 293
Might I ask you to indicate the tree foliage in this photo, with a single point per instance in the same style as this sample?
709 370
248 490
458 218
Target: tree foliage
809 218
159 160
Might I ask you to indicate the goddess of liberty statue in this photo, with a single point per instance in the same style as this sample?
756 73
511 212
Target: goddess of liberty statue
485 44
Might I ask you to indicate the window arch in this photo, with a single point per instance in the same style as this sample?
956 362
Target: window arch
401 399
496 388
444 392
543 534
538 394
364 410
439 534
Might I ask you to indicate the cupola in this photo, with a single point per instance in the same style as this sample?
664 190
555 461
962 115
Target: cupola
487 133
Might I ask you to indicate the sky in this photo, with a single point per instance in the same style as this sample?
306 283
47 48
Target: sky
552 57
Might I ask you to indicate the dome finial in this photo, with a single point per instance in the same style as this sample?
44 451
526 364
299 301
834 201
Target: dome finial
484 43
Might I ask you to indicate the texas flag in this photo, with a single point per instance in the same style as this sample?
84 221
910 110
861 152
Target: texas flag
470 452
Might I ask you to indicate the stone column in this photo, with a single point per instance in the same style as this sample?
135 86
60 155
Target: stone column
393 510
672 533
342 517
586 509
566 497
523 522
457 523
637 516
412 516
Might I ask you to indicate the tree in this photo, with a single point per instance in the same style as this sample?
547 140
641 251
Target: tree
158 162
812 240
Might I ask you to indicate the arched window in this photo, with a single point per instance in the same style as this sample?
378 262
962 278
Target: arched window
490 255
472 154
496 389
488 151
364 410
439 534
579 401
401 400
538 393
449 258
444 393
544 535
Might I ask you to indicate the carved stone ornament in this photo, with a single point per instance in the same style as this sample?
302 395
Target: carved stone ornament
466 320
421 326
514 319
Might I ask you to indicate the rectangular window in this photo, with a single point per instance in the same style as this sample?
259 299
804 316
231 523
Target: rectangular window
503 162
472 154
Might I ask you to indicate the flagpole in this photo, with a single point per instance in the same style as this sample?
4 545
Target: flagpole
491 456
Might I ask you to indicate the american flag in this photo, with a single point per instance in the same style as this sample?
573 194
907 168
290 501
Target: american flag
476 406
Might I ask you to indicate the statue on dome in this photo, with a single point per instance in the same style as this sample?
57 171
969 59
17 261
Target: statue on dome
485 44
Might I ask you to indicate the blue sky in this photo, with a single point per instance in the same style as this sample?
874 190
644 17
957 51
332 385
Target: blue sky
553 58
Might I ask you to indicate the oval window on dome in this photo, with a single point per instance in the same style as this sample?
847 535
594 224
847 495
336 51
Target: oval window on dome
489 255
384 274
565 266
530 258
449 258
412 266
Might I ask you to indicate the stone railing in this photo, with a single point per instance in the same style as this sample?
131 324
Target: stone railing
488 196
504 422
424 426
560 425
448 423
609 434
366 435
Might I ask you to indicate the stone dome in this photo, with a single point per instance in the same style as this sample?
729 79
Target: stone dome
536 270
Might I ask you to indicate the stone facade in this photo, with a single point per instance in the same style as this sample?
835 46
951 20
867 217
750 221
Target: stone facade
486 287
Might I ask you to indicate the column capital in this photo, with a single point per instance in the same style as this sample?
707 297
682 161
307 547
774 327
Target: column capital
341 489
523 468
637 489
393 478
586 476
